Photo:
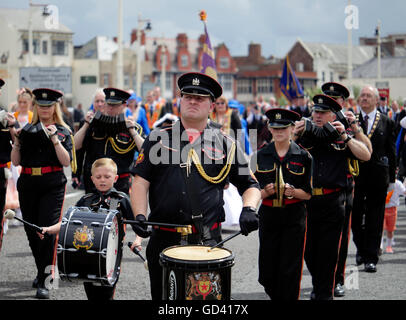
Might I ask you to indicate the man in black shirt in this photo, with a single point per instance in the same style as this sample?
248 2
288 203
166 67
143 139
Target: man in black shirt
185 169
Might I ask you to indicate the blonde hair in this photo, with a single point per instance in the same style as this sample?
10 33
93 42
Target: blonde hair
104 162
222 98
25 92
57 115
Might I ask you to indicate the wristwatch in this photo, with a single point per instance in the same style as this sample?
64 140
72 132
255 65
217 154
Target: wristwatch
348 139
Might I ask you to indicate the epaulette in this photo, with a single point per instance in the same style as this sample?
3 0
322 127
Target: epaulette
88 195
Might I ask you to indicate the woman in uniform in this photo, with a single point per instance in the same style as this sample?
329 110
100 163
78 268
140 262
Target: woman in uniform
42 148
284 173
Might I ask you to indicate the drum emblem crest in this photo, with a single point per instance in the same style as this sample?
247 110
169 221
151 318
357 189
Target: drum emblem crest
83 238
203 286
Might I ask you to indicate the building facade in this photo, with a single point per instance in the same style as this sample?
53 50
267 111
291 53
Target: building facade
259 76
47 64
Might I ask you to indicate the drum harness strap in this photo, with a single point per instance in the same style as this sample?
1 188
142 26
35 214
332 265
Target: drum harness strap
203 232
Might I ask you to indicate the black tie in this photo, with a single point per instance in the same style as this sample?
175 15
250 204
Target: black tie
365 124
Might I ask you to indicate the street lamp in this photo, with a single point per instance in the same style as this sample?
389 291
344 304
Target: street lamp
378 42
30 38
140 25
163 69
119 71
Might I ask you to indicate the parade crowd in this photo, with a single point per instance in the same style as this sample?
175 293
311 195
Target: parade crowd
306 175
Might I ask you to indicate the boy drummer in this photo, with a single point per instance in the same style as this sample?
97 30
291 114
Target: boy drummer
104 175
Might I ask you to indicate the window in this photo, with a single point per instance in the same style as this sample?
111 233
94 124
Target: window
44 47
59 48
184 60
226 81
264 85
224 62
168 81
299 67
126 80
106 78
25 45
244 86
35 46
323 76
88 79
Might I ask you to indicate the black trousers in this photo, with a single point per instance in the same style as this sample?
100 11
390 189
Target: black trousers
159 241
41 200
368 216
282 233
342 254
95 292
325 221
3 190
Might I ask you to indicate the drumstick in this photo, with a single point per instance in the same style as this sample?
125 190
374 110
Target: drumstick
159 224
10 215
138 253
225 240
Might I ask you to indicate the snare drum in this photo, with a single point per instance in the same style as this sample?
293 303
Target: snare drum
196 273
90 246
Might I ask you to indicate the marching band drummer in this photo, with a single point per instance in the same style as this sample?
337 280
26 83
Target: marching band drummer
284 172
121 147
104 175
186 185
42 182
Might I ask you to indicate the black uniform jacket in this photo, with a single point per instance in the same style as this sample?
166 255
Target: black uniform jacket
296 167
119 148
330 162
383 158
41 153
163 162
97 200
5 145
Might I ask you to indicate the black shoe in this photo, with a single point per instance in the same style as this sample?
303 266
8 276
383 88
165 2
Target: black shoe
35 283
42 293
370 267
339 290
359 259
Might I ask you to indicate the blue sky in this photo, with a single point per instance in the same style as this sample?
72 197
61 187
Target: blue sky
274 24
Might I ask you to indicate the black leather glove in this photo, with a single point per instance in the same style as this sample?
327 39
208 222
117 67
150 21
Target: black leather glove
248 220
141 229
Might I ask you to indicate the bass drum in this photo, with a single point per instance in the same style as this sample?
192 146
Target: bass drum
196 273
90 246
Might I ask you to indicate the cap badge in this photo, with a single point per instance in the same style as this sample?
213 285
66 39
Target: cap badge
44 95
278 116
332 88
196 82
320 100
112 94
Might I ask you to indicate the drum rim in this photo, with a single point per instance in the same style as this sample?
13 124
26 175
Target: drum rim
230 258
